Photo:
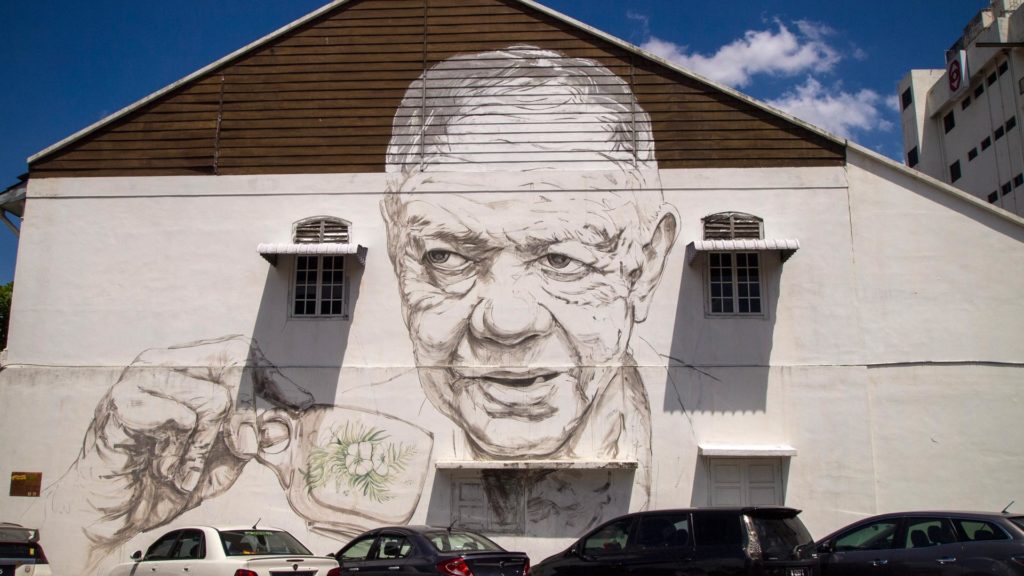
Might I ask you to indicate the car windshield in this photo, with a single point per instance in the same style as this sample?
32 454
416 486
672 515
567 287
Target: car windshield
456 541
249 542
779 536
1019 521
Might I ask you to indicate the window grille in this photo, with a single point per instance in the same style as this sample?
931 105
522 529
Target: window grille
733 226
321 231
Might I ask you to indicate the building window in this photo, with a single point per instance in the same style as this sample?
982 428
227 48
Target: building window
746 482
979 90
965 103
986 143
1006 188
734 278
734 282
907 98
999 133
318 287
949 121
993 197
991 79
1003 67
972 154
912 158
954 171
1011 123
491 501
1018 180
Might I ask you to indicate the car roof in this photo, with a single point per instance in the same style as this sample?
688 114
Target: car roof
969 514
422 528
227 528
721 509
965 513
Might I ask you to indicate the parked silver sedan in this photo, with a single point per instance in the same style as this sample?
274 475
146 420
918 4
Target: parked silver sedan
210 551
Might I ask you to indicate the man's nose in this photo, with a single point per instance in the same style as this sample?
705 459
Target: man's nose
508 313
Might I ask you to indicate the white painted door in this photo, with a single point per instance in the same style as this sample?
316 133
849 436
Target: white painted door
746 481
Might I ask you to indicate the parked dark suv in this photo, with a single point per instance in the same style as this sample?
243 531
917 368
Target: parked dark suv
755 541
936 543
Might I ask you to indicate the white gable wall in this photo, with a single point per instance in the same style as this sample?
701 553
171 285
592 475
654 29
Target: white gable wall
889 359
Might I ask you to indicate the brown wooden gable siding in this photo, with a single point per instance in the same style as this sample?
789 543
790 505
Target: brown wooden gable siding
322 98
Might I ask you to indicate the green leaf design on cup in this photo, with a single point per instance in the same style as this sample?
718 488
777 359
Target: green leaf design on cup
362 458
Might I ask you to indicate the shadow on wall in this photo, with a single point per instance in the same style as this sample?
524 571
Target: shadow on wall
720 363
535 503
309 350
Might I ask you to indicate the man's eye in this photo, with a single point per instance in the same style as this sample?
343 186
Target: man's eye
563 266
558 261
446 260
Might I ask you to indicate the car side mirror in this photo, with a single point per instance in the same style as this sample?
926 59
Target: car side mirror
137 555
825 548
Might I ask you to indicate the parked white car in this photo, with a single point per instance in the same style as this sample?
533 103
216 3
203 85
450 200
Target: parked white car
209 551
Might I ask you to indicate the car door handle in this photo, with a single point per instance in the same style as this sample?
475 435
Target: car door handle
946 560
879 562
394 567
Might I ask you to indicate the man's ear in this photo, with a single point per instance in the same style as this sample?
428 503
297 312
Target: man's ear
655 255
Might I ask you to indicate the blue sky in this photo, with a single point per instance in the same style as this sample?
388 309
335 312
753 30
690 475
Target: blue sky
68 64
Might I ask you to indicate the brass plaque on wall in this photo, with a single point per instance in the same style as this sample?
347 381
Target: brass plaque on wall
26 483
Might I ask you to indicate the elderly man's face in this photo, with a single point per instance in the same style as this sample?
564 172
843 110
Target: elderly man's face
521 306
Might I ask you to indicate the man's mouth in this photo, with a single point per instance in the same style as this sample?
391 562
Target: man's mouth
525 394
516 381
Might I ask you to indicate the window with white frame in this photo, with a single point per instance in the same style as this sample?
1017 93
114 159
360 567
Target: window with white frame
734 278
318 282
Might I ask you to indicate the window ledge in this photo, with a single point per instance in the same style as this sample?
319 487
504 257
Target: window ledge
536 464
746 450
783 245
270 252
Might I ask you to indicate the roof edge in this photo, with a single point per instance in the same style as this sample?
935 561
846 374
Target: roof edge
170 87
938 184
336 3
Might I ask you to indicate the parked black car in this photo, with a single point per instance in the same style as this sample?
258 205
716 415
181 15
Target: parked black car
20 552
754 541
428 550
932 543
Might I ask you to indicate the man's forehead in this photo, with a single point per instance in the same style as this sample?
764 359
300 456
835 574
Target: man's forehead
611 180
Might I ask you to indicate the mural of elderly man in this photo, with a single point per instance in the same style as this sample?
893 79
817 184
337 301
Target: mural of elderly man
521 282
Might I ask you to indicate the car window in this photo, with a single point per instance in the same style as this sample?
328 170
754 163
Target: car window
609 539
457 541
874 536
924 532
358 550
711 529
779 535
257 541
189 546
394 546
975 530
161 549
663 530
1018 520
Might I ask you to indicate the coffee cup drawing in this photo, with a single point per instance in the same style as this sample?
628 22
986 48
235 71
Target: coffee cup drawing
341 466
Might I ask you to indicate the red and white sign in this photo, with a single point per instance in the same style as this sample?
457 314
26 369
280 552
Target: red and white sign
956 72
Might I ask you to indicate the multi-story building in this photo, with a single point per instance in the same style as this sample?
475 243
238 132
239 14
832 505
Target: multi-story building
960 123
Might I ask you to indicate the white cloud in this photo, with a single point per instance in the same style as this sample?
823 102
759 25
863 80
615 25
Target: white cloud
779 52
839 112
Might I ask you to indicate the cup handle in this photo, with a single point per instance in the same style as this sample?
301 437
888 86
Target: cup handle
276 434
